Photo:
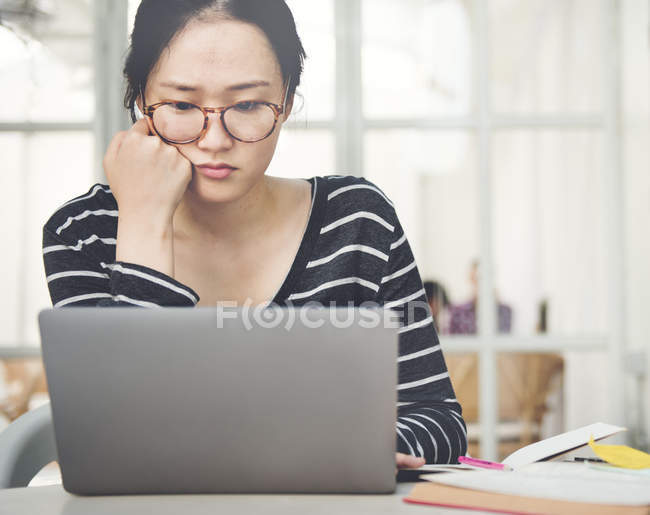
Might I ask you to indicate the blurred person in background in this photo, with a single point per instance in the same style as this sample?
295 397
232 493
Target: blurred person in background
462 317
439 304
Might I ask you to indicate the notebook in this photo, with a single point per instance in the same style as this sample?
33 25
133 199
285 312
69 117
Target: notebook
455 497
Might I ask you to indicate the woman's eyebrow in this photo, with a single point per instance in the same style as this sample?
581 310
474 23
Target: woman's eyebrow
248 85
235 87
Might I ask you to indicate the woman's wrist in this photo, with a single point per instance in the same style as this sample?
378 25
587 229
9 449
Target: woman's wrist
147 242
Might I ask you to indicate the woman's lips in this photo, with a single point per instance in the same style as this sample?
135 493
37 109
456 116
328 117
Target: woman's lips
215 172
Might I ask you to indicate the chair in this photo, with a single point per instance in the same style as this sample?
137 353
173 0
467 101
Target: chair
524 381
26 446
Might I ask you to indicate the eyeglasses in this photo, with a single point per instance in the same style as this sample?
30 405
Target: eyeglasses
183 122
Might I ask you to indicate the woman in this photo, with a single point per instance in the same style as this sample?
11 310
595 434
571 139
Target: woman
199 221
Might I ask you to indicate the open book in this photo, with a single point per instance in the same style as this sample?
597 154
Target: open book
539 451
560 444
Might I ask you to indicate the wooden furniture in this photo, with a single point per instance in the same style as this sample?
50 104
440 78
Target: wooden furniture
23 379
525 381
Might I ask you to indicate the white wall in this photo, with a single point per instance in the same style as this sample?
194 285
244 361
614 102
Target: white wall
635 27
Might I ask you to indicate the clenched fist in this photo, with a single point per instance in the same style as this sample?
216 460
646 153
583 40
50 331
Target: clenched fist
147 176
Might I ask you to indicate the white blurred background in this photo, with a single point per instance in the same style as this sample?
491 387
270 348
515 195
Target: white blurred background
511 133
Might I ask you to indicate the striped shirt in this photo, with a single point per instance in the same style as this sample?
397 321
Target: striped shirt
353 251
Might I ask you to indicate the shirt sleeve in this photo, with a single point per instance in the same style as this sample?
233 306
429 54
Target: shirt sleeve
429 418
77 277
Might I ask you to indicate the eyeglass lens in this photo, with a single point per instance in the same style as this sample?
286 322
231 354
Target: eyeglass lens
181 121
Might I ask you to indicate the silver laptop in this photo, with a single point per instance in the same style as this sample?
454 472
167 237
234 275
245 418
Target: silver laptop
215 400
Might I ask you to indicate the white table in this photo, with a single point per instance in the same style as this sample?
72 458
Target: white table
53 500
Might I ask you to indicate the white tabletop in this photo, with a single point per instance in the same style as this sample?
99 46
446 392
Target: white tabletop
52 499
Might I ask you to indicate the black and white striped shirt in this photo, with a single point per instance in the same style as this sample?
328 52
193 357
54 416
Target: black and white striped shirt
353 251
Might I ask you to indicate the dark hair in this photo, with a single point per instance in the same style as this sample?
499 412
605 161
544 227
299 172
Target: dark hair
435 290
158 21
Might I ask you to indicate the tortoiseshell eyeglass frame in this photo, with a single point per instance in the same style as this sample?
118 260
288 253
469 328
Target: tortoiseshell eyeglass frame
148 110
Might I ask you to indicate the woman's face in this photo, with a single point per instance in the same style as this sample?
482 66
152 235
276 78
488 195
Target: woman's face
215 64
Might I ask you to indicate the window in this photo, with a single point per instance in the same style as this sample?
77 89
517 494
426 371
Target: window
46 122
492 125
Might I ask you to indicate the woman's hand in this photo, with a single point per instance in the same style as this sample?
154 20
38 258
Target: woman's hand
147 176
148 179
406 461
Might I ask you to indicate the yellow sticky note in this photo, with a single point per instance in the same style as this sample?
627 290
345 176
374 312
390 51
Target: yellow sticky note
621 455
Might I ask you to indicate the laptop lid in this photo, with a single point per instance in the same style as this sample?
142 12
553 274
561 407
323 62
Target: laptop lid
203 400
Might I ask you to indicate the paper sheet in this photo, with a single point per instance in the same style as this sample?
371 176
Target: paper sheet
619 470
556 480
621 455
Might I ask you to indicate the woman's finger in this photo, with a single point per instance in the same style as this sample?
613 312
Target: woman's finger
141 126
114 147
408 461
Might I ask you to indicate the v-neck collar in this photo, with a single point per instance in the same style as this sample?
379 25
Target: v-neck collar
312 231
